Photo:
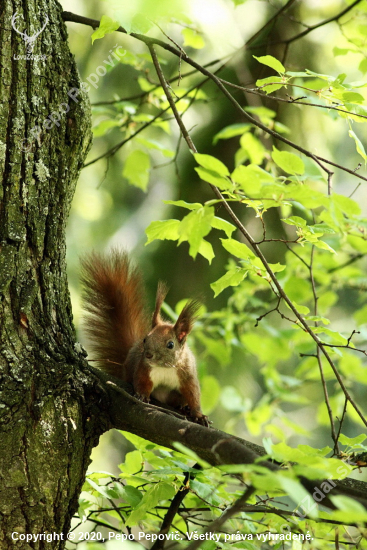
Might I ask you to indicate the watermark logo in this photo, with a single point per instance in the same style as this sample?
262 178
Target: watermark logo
28 40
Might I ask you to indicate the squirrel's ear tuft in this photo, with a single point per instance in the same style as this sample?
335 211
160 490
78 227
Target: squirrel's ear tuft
161 294
186 320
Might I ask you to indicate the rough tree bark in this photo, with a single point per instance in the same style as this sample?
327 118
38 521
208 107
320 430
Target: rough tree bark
53 407
47 427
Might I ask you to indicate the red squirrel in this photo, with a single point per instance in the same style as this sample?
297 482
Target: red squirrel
152 355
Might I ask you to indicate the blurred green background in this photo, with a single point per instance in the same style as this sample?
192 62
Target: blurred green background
108 211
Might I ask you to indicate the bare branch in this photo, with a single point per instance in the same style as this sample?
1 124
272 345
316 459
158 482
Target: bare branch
313 27
68 16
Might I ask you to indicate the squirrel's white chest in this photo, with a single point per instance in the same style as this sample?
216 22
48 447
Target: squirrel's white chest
163 376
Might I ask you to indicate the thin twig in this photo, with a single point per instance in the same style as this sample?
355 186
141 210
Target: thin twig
345 264
352 193
271 21
164 85
228 514
249 238
295 101
312 27
297 255
336 450
173 509
118 146
318 355
68 16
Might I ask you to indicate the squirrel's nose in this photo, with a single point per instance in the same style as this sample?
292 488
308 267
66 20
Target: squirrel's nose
148 355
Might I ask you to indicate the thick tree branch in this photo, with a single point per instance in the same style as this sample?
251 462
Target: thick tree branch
214 446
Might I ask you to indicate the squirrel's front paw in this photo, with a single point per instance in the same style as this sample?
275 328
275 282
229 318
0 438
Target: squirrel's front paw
204 420
141 397
200 418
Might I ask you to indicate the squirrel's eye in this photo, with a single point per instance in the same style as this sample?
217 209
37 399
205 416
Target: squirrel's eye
144 340
170 345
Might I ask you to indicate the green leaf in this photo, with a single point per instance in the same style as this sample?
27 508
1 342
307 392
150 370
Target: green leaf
316 318
270 85
295 220
250 178
106 26
162 230
361 315
341 51
137 169
276 268
302 309
351 441
351 97
363 66
184 204
157 493
347 205
152 144
140 24
139 442
205 491
281 128
349 505
359 145
270 61
214 178
358 243
83 506
133 462
217 348
265 115
99 475
253 148
103 127
338 338
223 225
130 494
322 228
206 250
233 277
102 490
210 391
231 131
296 492
322 245
237 249
145 85
290 163
192 38
211 163
194 227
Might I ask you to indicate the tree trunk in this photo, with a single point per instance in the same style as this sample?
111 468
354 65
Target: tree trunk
47 428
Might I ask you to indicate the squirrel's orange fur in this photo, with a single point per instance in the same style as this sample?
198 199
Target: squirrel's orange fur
150 354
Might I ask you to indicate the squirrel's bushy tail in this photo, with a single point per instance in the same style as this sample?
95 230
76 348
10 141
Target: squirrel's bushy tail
114 300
